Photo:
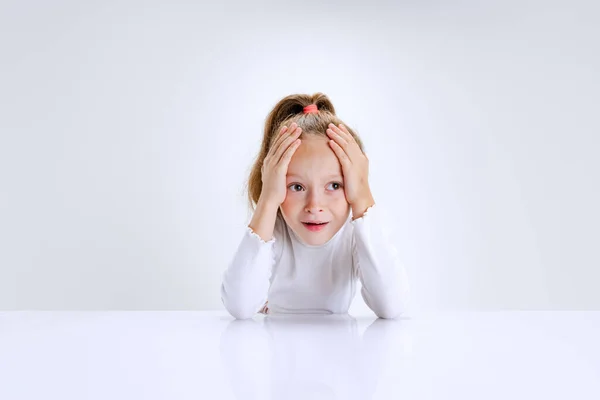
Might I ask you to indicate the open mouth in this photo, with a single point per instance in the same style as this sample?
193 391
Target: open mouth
315 226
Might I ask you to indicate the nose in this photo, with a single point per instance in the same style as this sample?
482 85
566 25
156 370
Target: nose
313 204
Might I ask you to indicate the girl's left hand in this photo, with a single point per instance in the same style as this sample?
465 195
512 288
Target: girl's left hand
355 165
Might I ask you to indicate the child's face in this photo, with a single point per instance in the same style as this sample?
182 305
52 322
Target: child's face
315 191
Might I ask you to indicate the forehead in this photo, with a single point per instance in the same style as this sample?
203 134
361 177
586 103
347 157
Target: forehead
314 158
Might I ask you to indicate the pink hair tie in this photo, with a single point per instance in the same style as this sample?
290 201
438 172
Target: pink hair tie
311 108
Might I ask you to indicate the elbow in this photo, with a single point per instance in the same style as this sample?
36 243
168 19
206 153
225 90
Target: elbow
389 312
396 303
392 307
240 313
395 309
387 306
398 306
239 306
238 310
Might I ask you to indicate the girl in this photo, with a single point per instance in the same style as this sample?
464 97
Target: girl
315 228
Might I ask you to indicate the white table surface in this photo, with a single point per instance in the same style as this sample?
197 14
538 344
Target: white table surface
209 355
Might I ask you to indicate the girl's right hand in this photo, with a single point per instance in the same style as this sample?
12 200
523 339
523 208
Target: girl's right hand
275 165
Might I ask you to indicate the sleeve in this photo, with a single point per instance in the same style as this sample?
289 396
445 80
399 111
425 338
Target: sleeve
246 281
385 287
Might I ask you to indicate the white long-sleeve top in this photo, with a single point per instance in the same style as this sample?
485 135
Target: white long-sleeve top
298 278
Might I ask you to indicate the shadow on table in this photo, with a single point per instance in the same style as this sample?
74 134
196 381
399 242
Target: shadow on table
306 356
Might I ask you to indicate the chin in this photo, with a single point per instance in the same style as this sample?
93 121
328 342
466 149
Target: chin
316 242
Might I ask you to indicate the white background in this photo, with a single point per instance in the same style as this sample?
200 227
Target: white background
127 130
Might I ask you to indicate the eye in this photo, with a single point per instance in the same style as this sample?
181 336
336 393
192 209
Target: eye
338 185
294 185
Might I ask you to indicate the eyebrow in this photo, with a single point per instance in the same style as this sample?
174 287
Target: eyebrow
330 176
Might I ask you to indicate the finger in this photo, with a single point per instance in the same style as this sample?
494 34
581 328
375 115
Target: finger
285 145
342 132
285 134
355 148
281 134
340 153
346 141
273 148
349 136
292 130
339 140
287 156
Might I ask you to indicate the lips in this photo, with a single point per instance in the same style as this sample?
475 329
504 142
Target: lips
315 226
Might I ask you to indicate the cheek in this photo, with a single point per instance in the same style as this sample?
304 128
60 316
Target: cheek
340 195
341 202
289 203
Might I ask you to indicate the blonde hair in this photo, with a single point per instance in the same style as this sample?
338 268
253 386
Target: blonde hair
288 110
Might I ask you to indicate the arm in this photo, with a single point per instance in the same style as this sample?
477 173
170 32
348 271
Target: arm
385 287
246 280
